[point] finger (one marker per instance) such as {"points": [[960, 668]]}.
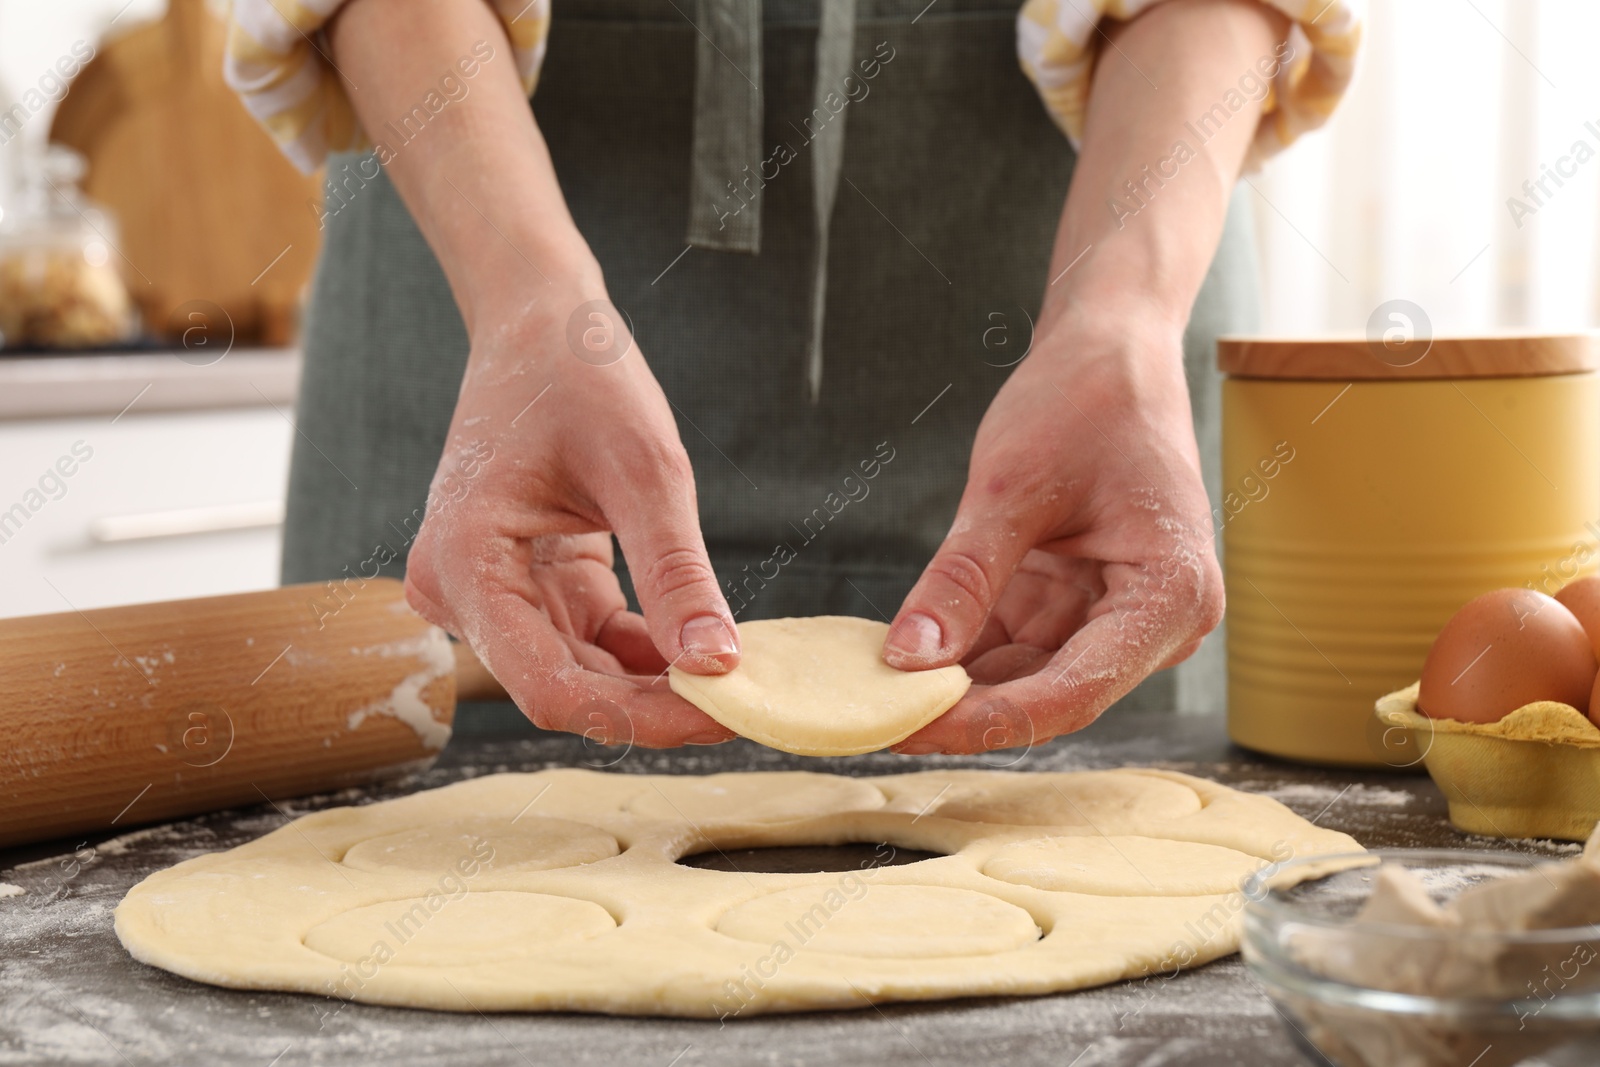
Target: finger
{"points": [[945, 612], [1130, 635], [592, 657], [525, 653], [654, 515], [638, 717], [1006, 663], [626, 637], [1045, 602], [1035, 711], [983, 720], [1179, 656], [1054, 605], [993, 635]]}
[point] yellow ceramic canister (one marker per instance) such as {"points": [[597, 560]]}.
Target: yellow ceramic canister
{"points": [[1368, 493]]}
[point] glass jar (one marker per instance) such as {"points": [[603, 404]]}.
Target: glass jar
{"points": [[60, 286]]}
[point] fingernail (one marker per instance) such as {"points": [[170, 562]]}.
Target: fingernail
{"points": [[707, 738], [917, 748], [916, 635], [707, 636]]}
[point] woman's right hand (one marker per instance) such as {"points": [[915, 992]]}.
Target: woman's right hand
{"points": [[562, 437]]}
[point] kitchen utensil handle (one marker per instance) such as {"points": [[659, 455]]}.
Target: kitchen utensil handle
{"points": [[129, 715]]}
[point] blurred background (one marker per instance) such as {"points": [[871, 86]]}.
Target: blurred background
{"points": [[127, 166], [1404, 193]]}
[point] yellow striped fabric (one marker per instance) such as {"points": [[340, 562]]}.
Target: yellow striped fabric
{"points": [[279, 64], [1059, 42]]}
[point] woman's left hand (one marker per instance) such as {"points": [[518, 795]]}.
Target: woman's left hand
{"points": [[1081, 558]]}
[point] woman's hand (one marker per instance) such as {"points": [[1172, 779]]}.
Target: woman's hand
{"points": [[1081, 557], [562, 437]]}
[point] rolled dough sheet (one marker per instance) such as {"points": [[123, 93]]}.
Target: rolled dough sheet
{"points": [[559, 891], [819, 687]]}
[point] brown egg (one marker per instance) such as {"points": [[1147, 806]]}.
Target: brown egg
{"points": [[1582, 598], [1505, 649]]}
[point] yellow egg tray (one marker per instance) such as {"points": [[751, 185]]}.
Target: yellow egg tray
{"points": [[1535, 773]]}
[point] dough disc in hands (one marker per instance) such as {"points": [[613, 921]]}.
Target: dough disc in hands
{"points": [[819, 687]]}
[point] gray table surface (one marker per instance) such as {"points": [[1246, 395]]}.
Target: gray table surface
{"points": [[70, 994]]}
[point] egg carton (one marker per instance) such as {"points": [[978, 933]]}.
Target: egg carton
{"points": [[1535, 773]]}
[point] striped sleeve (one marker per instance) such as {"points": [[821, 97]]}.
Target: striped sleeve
{"points": [[1058, 42], [277, 60]]}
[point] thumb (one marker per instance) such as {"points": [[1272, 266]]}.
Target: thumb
{"points": [[945, 611], [658, 527]]}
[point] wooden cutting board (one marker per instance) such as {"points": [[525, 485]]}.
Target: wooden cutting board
{"points": [[209, 209]]}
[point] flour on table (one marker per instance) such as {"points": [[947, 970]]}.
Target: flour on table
{"points": [[1358, 794]]}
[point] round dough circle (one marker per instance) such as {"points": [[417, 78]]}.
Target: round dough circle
{"points": [[532, 844], [472, 928], [1099, 800], [784, 795], [851, 918], [819, 687], [1122, 866]]}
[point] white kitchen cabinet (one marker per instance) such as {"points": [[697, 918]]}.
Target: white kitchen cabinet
{"points": [[113, 531]]}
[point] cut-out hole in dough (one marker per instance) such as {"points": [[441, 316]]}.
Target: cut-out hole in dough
{"points": [[1107, 802], [531, 843], [850, 917], [806, 859], [748, 798], [468, 929], [1122, 866]]}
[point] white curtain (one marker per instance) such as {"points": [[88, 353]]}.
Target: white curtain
{"points": [[1404, 194]]}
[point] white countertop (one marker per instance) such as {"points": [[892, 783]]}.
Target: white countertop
{"points": [[35, 387]]}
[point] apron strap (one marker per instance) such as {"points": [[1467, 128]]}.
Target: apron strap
{"points": [[725, 193], [724, 190], [835, 49]]}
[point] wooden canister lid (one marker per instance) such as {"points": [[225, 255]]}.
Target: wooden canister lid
{"points": [[1358, 359]]}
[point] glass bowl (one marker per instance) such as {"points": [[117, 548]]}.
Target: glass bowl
{"points": [[1380, 994]]}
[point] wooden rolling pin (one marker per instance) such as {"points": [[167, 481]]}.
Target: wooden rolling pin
{"points": [[121, 716]]}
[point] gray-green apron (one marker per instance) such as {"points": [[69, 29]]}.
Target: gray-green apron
{"points": [[952, 183]]}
